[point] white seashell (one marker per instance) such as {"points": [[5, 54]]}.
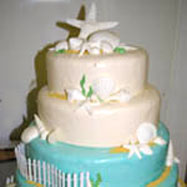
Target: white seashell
{"points": [[61, 45], [52, 137], [146, 132], [94, 50], [75, 95], [122, 96], [29, 134], [105, 36], [170, 155], [41, 127], [103, 87], [76, 43], [159, 141], [106, 47]]}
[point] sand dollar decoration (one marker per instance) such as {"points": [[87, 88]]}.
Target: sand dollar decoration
{"points": [[146, 132], [103, 87]]}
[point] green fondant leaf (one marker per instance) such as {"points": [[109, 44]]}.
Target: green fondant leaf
{"points": [[61, 51], [90, 92], [120, 50], [99, 179], [82, 83], [97, 182]]}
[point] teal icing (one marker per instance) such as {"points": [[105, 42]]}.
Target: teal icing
{"points": [[115, 169], [170, 181]]}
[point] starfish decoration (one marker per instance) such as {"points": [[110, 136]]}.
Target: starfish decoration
{"points": [[135, 148], [90, 25]]}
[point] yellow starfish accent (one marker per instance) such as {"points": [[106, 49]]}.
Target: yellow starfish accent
{"points": [[35, 184], [119, 150], [58, 96], [164, 175]]}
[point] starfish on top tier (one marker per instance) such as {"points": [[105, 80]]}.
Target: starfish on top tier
{"points": [[90, 25]]}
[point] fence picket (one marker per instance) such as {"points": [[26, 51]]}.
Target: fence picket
{"points": [[52, 176], [59, 178], [81, 179], [68, 180], [34, 170], [30, 169], [63, 179], [39, 171], [48, 174], [44, 173], [88, 184], [56, 177]]}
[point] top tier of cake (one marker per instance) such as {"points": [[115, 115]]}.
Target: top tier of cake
{"points": [[128, 71]]}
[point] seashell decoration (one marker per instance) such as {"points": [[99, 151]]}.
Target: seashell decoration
{"points": [[61, 45], [103, 87], [53, 137], [105, 37], [74, 94], [94, 50], [170, 155], [29, 134], [146, 132], [76, 43], [106, 47], [41, 128]]}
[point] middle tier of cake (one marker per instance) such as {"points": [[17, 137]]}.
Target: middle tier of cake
{"points": [[105, 124]]}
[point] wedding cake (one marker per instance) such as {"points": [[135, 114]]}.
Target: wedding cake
{"points": [[98, 117]]}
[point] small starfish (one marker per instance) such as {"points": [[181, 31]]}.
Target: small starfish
{"points": [[133, 149], [90, 25]]}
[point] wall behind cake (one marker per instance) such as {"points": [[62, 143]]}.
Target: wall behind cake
{"points": [[28, 26]]}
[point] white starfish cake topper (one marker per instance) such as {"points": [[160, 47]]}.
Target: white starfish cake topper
{"points": [[90, 25]]}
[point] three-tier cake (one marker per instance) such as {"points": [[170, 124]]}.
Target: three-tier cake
{"points": [[98, 117]]}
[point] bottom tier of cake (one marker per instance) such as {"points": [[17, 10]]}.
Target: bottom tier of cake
{"points": [[64, 165]]}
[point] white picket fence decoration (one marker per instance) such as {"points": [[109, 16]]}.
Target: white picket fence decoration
{"points": [[46, 174], [10, 180]]}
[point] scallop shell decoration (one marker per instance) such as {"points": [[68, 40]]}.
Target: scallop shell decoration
{"points": [[146, 132], [105, 37], [103, 87], [29, 134]]}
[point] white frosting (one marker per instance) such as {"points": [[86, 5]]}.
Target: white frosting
{"points": [[102, 125], [127, 71]]}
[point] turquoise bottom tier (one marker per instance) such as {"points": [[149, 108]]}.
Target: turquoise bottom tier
{"points": [[106, 168]]}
